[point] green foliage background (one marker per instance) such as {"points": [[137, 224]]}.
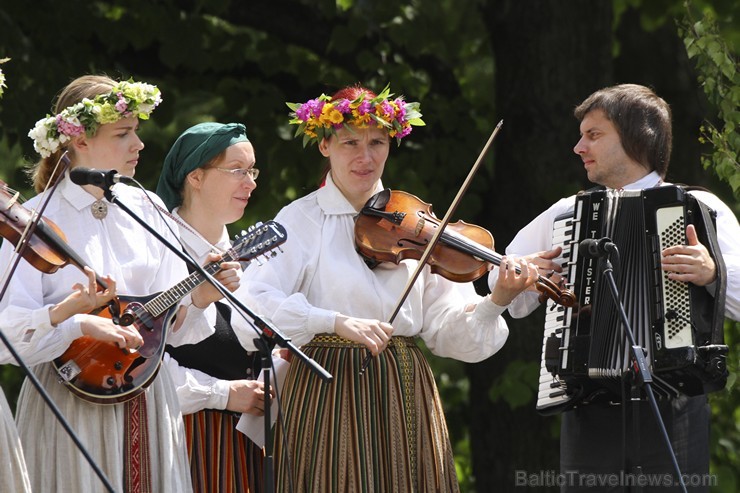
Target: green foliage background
{"points": [[227, 60]]}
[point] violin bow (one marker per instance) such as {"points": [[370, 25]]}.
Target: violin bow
{"points": [[433, 242]]}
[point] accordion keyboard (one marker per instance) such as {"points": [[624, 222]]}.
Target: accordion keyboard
{"points": [[551, 391]]}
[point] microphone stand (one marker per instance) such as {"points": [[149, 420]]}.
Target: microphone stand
{"points": [[265, 351], [269, 335], [23, 245], [641, 376]]}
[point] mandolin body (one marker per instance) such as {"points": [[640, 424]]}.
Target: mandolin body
{"points": [[101, 372]]}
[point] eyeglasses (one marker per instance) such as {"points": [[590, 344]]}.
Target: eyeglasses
{"points": [[241, 173]]}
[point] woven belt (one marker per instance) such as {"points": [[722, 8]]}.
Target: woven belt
{"points": [[332, 340]]}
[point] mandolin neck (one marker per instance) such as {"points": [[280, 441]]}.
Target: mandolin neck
{"points": [[166, 299]]}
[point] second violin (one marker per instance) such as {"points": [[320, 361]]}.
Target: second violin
{"points": [[395, 225]]}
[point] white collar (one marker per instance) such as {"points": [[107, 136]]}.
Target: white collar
{"points": [[333, 202], [196, 242], [77, 196], [650, 180]]}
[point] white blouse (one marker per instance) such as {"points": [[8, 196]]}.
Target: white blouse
{"points": [[197, 390], [116, 245], [319, 274]]}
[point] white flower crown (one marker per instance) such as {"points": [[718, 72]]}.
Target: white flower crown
{"points": [[126, 98]]}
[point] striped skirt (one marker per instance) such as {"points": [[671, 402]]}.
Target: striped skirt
{"points": [[383, 431], [222, 459]]}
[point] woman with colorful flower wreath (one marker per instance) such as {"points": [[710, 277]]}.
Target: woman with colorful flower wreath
{"points": [[13, 470], [138, 444], [383, 430]]}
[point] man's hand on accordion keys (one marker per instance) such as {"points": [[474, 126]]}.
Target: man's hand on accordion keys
{"points": [[691, 262], [547, 266]]}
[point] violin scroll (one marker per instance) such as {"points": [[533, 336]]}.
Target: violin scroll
{"points": [[549, 289]]}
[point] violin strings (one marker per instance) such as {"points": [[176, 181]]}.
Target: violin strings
{"points": [[465, 244], [11, 191]]}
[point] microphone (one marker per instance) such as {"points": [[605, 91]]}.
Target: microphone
{"points": [[593, 248], [99, 178]]}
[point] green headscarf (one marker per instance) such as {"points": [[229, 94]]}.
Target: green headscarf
{"points": [[192, 150]]}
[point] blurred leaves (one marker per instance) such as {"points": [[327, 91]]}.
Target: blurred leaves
{"points": [[719, 76], [518, 384]]}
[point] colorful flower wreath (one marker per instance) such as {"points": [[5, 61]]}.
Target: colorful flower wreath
{"points": [[126, 98], [321, 117]]}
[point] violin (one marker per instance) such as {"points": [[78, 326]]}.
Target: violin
{"points": [[41, 245], [395, 225], [46, 247]]}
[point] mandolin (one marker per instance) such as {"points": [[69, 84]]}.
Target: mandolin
{"points": [[102, 373]]}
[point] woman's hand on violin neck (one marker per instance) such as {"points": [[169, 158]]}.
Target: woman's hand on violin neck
{"points": [[83, 299], [103, 329], [510, 283], [374, 334]]}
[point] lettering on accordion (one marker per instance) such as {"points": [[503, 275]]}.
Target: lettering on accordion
{"points": [[585, 353]]}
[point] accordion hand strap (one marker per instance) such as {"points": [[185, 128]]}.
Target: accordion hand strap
{"points": [[720, 283]]}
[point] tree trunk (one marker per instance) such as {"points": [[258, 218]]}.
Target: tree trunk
{"points": [[549, 56]]}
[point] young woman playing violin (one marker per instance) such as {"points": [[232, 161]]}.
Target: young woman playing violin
{"points": [[139, 443], [384, 429]]}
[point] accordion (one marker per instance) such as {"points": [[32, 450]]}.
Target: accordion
{"points": [[586, 354]]}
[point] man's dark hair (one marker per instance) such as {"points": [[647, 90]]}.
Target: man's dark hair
{"points": [[642, 120]]}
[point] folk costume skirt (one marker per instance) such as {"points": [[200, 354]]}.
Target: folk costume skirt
{"points": [[55, 463], [383, 431], [222, 459], [13, 472]]}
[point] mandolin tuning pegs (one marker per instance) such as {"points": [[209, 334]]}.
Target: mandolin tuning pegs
{"points": [[253, 227]]}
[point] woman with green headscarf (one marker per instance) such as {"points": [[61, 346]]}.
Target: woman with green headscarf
{"points": [[207, 180]]}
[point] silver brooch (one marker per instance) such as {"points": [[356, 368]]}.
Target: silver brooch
{"points": [[99, 209]]}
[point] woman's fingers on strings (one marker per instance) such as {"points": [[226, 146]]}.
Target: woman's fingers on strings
{"points": [[110, 291], [131, 336]]}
